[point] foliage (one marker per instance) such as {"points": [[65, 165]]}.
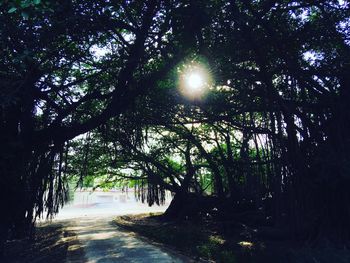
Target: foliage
{"points": [[271, 134]]}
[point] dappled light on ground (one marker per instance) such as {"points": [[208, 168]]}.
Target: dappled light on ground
{"points": [[103, 241]]}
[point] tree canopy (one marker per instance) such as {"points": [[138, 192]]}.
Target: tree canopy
{"points": [[270, 133]]}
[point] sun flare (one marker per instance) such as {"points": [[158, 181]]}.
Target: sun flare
{"points": [[194, 81]]}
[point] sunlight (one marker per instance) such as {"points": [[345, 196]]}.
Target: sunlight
{"points": [[246, 244], [194, 80]]}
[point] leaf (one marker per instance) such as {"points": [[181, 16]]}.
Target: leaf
{"points": [[25, 4], [12, 9], [25, 15], [36, 2]]}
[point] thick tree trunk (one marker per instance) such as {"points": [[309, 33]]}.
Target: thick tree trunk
{"points": [[189, 205], [180, 206], [332, 197], [16, 186]]}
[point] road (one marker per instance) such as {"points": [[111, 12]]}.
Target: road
{"points": [[104, 242], [90, 217], [104, 204]]}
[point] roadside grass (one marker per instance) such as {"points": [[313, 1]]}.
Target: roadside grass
{"points": [[187, 237], [51, 244], [45, 247], [215, 242]]}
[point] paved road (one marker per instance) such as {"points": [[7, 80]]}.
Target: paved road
{"points": [[104, 204], [103, 242]]}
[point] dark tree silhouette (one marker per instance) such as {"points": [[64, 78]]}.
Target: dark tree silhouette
{"points": [[271, 135]]}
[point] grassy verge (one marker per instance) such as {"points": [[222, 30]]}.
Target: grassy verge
{"points": [[192, 239], [227, 242], [50, 244]]}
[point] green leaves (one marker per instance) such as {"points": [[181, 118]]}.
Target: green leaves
{"points": [[23, 7], [12, 10]]}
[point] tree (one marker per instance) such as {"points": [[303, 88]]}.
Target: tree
{"points": [[281, 67], [57, 83], [273, 127]]}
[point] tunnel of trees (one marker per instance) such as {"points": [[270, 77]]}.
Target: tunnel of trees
{"points": [[92, 89]]}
